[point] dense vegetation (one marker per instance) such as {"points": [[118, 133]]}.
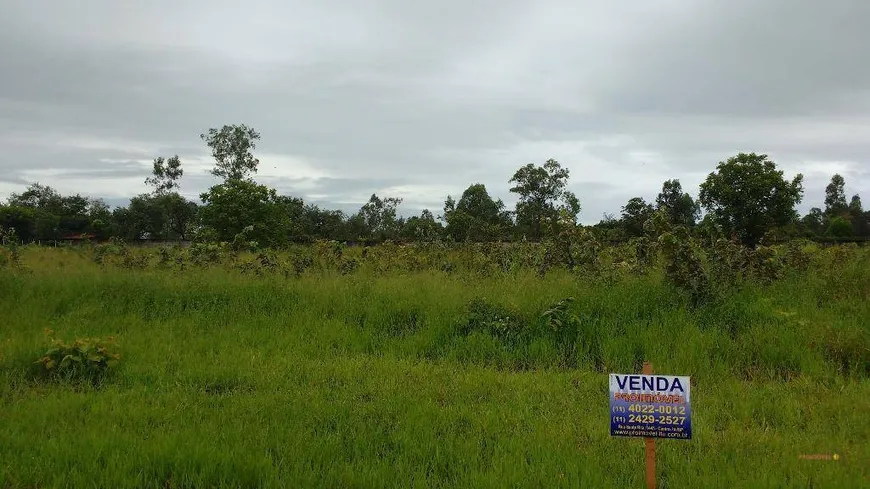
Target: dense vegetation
{"points": [[470, 351], [746, 197], [429, 365]]}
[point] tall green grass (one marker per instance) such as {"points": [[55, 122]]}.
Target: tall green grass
{"points": [[386, 380]]}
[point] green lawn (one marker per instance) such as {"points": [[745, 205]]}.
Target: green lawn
{"points": [[375, 380]]}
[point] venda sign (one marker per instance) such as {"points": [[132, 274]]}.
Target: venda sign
{"points": [[651, 406]]}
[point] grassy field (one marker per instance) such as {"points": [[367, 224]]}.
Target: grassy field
{"points": [[401, 380]]}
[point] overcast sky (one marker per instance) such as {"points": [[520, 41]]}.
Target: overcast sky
{"points": [[418, 99]]}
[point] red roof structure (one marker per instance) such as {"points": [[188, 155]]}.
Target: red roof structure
{"points": [[80, 236]]}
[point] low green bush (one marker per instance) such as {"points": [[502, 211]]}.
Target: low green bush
{"points": [[85, 359]]}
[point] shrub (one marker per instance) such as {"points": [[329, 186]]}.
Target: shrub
{"points": [[165, 257], [130, 259], [564, 325], [99, 253], [242, 242], [766, 264], [328, 254], [10, 256], [644, 253], [728, 262], [839, 228], [265, 261], [683, 265], [85, 359], [268, 260], [301, 263], [207, 253], [123, 256], [349, 265], [497, 320], [797, 255]]}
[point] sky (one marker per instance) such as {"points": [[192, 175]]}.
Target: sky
{"points": [[419, 100]]}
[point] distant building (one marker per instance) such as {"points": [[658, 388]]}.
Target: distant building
{"points": [[79, 238]]}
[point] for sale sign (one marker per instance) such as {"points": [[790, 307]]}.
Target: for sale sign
{"points": [[651, 406]]}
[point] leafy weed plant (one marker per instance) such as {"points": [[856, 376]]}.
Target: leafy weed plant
{"points": [[85, 359]]}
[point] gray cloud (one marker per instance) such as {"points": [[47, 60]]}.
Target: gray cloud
{"points": [[420, 100]]}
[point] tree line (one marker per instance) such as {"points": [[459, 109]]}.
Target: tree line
{"points": [[745, 198]]}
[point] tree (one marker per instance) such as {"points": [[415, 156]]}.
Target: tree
{"points": [[476, 217], [231, 147], [163, 217], [21, 219], [449, 206], [539, 188], [50, 208], [165, 174], [236, 204], [679, 206], [422, 228], [324, 224], [747, 196], [635, 213], [835, 197], [814, 221], [294, 207], [178, 214], [855, 206], [355, 227], [74, 217], [99, 217], [144, 218], [860, 219], [59, 215], [839, 228], [379, 216], [609, 228], [570, 206], [239, 203], [40, 197]]}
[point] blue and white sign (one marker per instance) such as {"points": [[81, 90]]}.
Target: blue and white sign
{"points": [[651, 406]]}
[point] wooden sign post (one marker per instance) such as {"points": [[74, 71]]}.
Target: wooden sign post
{"points": [[650, 406], [649, 445]]}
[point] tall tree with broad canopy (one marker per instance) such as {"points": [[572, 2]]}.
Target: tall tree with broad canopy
{"points": [[232, 146], [239, 203], [236, 204], [477, 216], [679, 206], [747, 196], [540, 189]]}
